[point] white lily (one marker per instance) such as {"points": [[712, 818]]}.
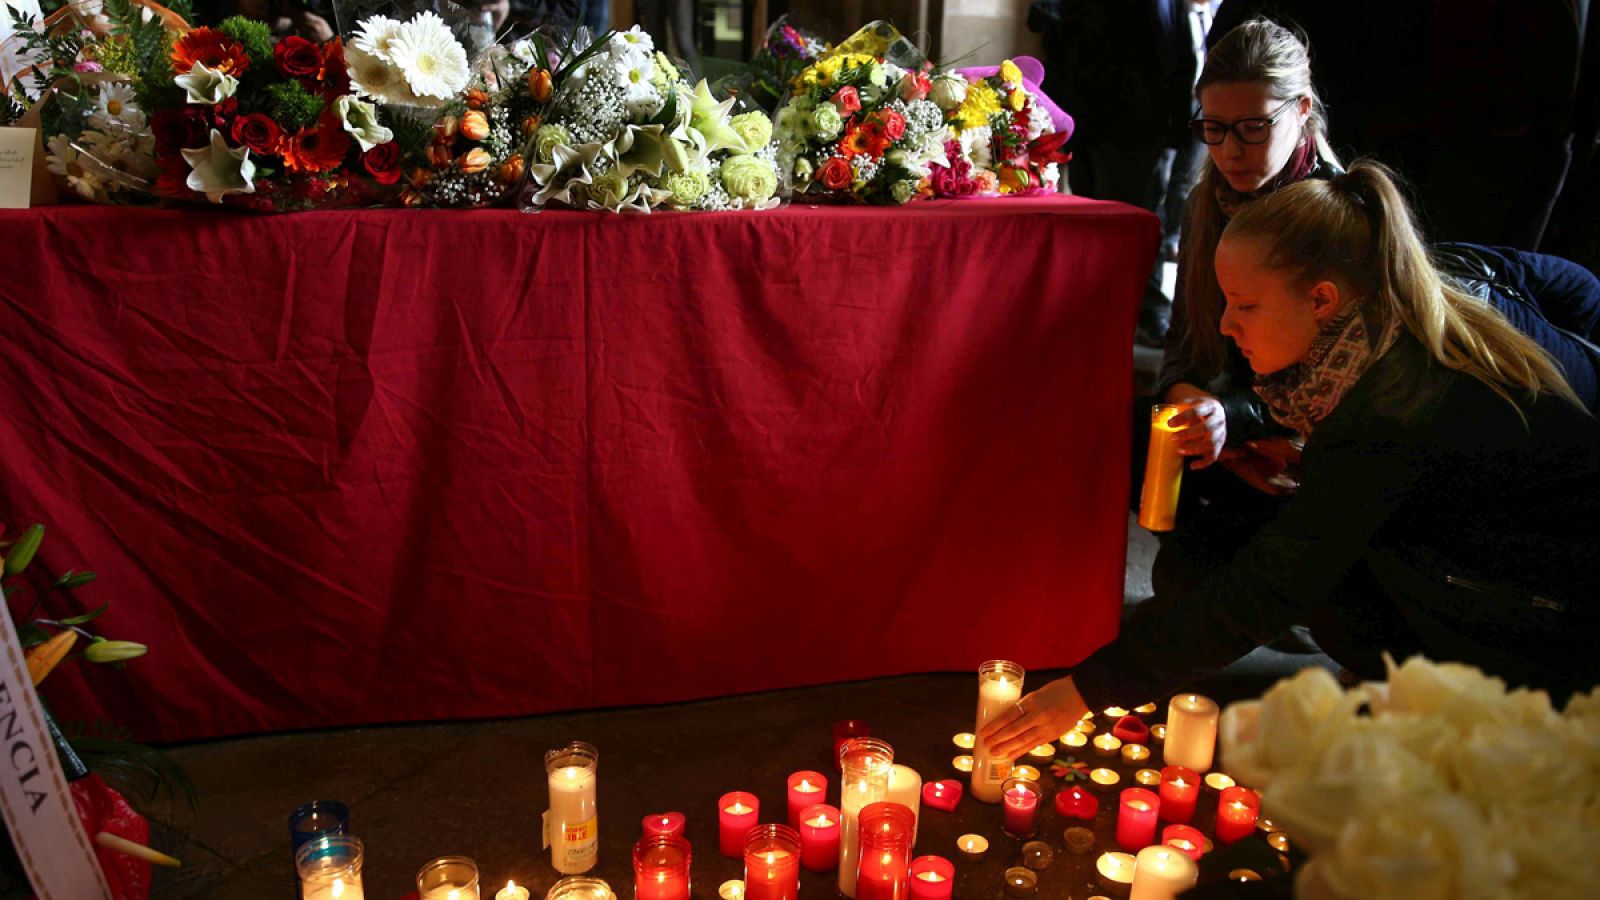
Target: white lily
{"points": [[207, 86], [360, 118], [218, 169]]}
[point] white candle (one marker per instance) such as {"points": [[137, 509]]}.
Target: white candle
{"points": [[512, 891], [1074, 739], [999, 689], [574, 820], [731, 890], [1162, 873], [336, 888], [905, 788], [1191, 732]]}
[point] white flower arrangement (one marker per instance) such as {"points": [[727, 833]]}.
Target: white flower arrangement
{"points": [[413, 63], [1451, 787]]}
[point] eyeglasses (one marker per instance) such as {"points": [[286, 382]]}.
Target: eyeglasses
{"points": [[1254, 130]]}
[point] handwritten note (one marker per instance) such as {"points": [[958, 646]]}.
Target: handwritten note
{"points": [[16, 166]]}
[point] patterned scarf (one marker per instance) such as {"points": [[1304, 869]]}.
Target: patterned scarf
{"points": [[1305, 393], [1297, 169]]}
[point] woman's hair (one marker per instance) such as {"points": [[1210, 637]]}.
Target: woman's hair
{"points": [[1356, 230], [1263, 52]]}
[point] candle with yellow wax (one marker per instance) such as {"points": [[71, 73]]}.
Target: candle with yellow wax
{"points": [[1163, 472]]}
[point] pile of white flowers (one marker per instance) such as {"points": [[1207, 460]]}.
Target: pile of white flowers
{"points": [[1452, 786], [115, 151], [413, 63]]}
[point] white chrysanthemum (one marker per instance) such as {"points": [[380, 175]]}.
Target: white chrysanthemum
{"points": [[976, 146], [432, 61], [633, 42], [377, 79], [375, 36], [63, 159], [639, 93], [1038, 118]]}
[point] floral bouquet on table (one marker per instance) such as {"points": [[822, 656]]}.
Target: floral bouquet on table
{"points": [[859, 124], [784, 54], [1005, 134], [627, 132], [1450, 787]]}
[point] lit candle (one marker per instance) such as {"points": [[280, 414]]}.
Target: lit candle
{"points": [[1146, 709], [962, 763], [668, 824], [905, 788], [1278, 841], [1243, 875], [1076, 803], [1021, 807], [661, 868], [944, 795], [731, 890], [1043, 753], [965, 740], [329, 867], [847, 729], [1185, 838], [806, 788], [1107, 745], [999, 690], [1073, 740], [972, 847], [448, 878], [1158, 735], [1266, 825], [574, 823], [1237, 809], [1136, 819], [512, 891], [1115, 871], [1191, 732], [1147, 778], [1131, 730], [737, 813], [1037, 855], [1084, 726], [1021, 882], [1163, 472], [885, 872], [1134, 754], [580, 887], [819, 838], [932, 878], [1216, 782], [335, 888], [1025, 773], [865, 782], [1162, 873], [1115, 712], [772, 863], [1104, 780], [1180, 791]]}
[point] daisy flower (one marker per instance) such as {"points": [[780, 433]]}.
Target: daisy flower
{"points": [[375, 35], [376, 78], [63, 159], [433, 62]]}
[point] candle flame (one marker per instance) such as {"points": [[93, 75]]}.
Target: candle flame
{"points": [[819, 821], [930, 876], [1179, 782], [738, 808], [771, 857], [1240, 806], [338, 888], [454, 895], [1138, 806], [805, 786], [1181, 844]]}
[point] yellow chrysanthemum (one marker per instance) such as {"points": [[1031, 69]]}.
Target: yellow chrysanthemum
{"points": [[1010, 73], [981, 103], [827, 72], [1018, 99]]}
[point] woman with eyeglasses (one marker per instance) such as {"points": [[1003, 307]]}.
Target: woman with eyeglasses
{"points": [[1445, 456]]}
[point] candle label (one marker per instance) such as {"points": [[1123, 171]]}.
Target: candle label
{"points": [[580, 844], [997, 769]]}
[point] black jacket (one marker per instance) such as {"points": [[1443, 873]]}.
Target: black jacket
{"points": [[1480, 528]]}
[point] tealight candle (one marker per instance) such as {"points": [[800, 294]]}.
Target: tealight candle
{"points": [[1025, 773], [1191, 731], [1021, 800], [1043, 753], [1147, 778], [1243, 875], [1037, 855], [1266, 825], [448, 878], [580, 887], [329, 867], [962, 763], [731, 890], [1162, 873], [1185, 838], [1146, 709], [1104, 780], [965, 740], [1180, 791], [999, 691], [1115, 712], [932, 878], [1079, 840], [806, 788], [1084, 726], [661, 868], [737, 813], [1076, 803], [1278, 841], [512, 891], [1115, 872], [1136, 819], [819, 838], [972, 847], [1134, 754], [1216, 781], [905, 788], [668, 824], [1073, 740], [1158, 735], [1021, 882], [1237, 809], [1107, 745]]}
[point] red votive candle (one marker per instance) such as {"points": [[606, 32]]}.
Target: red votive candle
{"points": [[932, 878], [1183, 837], [737, 813], [1021, 806], [772, 863], [1136, 819], [845, 730], [806, 788], [661, 868], [819, 838], [1180, 791], [1131, 730], [1077, 803], [667, 824], [885, 867], [1237, 809]]}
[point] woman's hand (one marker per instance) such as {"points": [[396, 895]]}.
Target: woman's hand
{"points": [[1204, 424], [1039, 718]]}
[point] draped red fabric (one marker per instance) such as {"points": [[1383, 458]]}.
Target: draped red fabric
{"points": [[374, 466]]}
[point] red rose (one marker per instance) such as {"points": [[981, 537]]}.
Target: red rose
{"points": [[335, 76], [847, 100], [836, 174], [298, 57], [383, 163], [183, 128], [894, 125], [258, 132]]}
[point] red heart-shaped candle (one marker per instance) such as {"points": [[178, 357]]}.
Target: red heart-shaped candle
{"points": [[942, 794]]}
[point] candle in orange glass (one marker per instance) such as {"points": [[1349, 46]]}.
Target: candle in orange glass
{"points": [[1237, 809], [1163, 472]]}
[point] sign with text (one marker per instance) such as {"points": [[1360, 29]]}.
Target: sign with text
{"points": [[34, 795], [16, 166]]}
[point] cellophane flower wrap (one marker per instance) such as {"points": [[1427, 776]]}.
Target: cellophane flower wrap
{"points": [[626, 132], [1006, 136], [859, 123], [1440, 783], [785, 52]]}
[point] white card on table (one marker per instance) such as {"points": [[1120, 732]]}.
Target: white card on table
{"points": [[16, 166]]}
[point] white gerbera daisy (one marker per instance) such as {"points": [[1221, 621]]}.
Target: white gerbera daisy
{"points": [[433, 62], [374, 36], [377, 79], [63, 160]]}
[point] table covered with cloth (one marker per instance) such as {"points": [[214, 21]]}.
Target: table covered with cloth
{"points": [[356, 467]]}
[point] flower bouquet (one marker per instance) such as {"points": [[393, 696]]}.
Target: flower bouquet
{"points": [[1006, 135], [627, 132], [785, 52], [1450, 786]]}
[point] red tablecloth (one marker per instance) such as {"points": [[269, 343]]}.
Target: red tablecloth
{"points": [[340, 468]]}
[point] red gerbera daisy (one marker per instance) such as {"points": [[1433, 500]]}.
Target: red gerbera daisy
{"points": [[209, 46], [856, 142]]}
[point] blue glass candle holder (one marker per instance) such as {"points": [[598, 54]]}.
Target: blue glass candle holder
{"points": [[320, 818]]}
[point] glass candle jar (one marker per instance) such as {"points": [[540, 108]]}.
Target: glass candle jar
{"points": [[574, 821], [999, 691], [580, 887], [1021, 798], [864, 780], [448, 878], [661, 867], [330, 868], [885, 866], [772, 863]]}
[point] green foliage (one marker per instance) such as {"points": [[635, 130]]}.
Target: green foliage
{"points": [[292, 105], [150, 45], [413, 135], [134, 769], [255, 37]]}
